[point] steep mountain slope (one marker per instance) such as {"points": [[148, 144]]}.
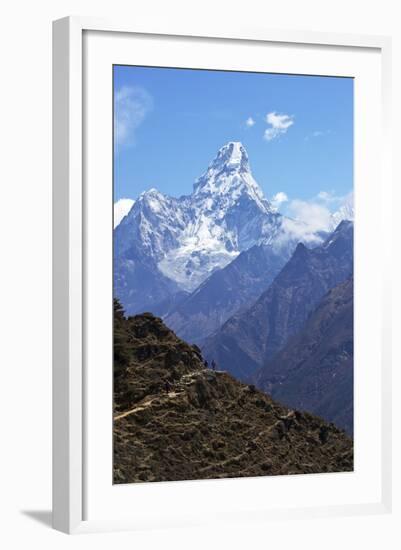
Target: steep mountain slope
{"points": [[176, 420], [169, 304], [225, 292], [314, 371], [186, 239], [250, 338]]}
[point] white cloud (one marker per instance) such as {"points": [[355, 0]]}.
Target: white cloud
{"points": [[295, 230], [330, 198], [278, 125], [325, 195], [305, 219], [315, 217], [131, 105], [250, 122], [278, 199], [121, 209], [317, 134]]}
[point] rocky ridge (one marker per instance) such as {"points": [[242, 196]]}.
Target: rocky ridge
{"points": [[175, 419]]}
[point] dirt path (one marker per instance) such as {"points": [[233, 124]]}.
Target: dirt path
{"points": [[145, 404], [185, 380]]}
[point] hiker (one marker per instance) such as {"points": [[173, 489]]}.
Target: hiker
{"points": [[206, 364], [167, 386], [213, 364]]}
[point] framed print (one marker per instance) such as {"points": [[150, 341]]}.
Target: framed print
{"points": [[220, 327]]}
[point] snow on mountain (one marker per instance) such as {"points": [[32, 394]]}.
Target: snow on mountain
{"points": [[121, 209], [229, 176], [345, 212], [227, 213], [154, 224], [190, 237]]}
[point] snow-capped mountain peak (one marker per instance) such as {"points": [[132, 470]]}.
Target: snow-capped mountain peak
{"points": [[152, 196], [191, 236], [150, 192], [231, 157], [345, 212], [229, 175]]}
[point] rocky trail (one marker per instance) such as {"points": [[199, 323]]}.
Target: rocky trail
{"points": [[185, 380]]}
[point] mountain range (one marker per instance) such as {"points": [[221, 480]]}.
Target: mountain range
{"points": [[226, 292], [314, 370], [251, 337], [261, 294], [167, 246]]}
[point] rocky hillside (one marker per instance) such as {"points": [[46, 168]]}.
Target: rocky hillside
{"points": [[314, 371], [174, 419]]}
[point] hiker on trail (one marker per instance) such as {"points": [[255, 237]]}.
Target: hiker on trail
{"points": [[206, 364], [167, 386], [214, 364]]}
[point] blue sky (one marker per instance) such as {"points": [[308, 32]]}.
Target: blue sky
{"points": [[169, 124]]}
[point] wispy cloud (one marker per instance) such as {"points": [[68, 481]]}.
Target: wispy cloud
{"points": [[121, 209], [131, 105], [317, 134], [330, 198], [316, 217], [278, 125], [278, 199], [326, 196], [306, 218], [250, 122], [296, 230], [303, 222]]}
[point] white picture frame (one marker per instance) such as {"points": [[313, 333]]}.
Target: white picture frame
{"points": [[70, 251]]}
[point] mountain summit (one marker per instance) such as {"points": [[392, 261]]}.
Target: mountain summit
{"points": [[230, 158], [186, 239], [230, 174], [171, 245]]}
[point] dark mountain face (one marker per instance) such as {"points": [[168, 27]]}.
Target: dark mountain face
{"points": [[169, 304], [225, 292], [174, 419], [314, 371], [252, 337]]}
